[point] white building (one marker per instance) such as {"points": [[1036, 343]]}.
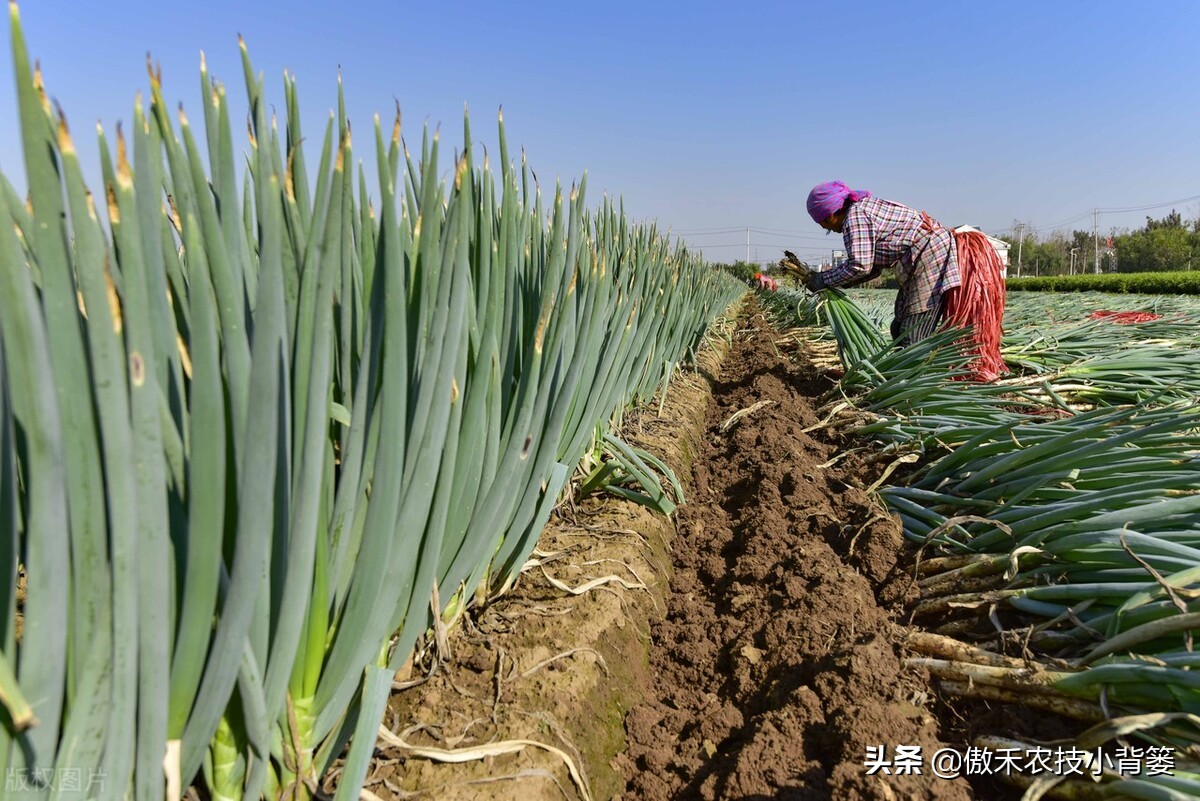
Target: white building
{"points": [[999, 244]]}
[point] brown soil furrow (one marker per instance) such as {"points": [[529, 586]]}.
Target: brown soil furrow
{"points": [[778, 662]]}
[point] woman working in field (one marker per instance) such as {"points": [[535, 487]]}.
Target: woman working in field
{"points": [[942, 275]]}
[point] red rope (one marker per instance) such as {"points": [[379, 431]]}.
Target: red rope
{"points": [[1124, 317], [978, 303]]}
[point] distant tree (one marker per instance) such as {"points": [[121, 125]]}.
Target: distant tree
{"points": [[1172, 220], [742, 270], [1166, 244], [1045, 258]]}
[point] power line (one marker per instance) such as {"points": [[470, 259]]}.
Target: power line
{"points": [[1152, 206], [809, 237], [805, 235], [1076, 218], [759, 231], [781, 231], [732, 230], [707, 230], [1107, 210], [742, 244]]}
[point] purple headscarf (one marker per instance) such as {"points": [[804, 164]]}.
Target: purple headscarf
{"points": [[829, 197]]}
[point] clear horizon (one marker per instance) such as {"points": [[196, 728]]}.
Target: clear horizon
{"points": [[706, 118]]}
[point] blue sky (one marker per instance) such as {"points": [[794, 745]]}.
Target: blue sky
{"points": [[707, 117]]}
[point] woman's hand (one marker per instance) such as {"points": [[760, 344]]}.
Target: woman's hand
{"points": [[794, 267], [801, 272]]}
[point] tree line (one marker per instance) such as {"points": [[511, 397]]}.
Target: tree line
{"points": [[1170, 243]]}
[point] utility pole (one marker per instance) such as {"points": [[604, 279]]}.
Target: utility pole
{"points": [[1096, 234], [1020, 229], [747, 244]]}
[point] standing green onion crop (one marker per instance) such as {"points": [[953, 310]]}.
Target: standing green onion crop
{"points": [[256, 412]]}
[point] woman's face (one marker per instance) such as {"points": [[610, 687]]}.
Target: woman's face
{"points": [[834, 222]]}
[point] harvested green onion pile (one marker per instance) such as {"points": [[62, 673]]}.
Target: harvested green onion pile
{"points": [[1058, 514]]}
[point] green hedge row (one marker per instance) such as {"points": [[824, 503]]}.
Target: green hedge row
{"points": [[1166, 283]]}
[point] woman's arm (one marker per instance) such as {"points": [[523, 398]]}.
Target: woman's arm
{"points": [[875, 273], [859, 265]]}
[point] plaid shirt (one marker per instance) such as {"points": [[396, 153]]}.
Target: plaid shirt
{"points": [[879, 233]]}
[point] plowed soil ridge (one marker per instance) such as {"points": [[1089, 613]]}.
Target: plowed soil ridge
{"points": [[541, 663], [779, 659]]}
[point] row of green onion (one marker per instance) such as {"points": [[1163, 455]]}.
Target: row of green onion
{"points": [[257, 416]]}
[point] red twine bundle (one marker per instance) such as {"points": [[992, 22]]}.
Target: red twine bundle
{"points": [[1125, 317], [978, 303]]}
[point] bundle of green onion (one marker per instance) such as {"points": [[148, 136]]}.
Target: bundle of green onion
{"points": [[858, 336]]}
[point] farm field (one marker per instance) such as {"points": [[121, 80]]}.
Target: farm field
{"points": [[769, 657], [798, 631], [433, 481]]}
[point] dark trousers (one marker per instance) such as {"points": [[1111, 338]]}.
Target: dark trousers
{"points": [[912, 328]]}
